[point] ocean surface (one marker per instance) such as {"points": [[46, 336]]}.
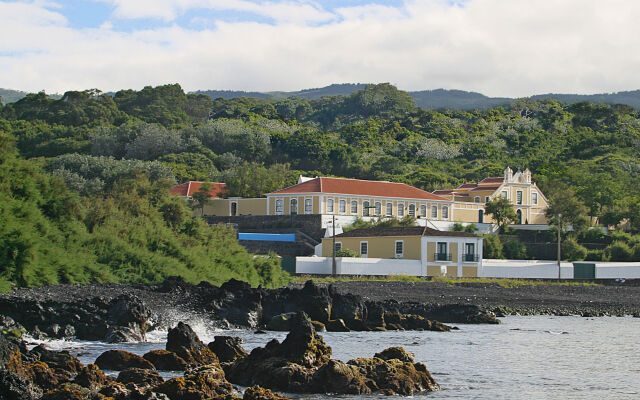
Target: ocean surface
{"points": [[533, 357]]}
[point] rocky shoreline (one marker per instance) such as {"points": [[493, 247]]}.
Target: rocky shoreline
{"points": [[121, 313], [300, 364], [604, 299]]}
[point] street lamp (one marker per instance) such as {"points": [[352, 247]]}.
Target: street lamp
{"points": [[334, 268], [559, 246]]}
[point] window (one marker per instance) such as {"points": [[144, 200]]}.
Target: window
{"points": [[342, 206], [504, 194], [365, 208], [441, 254], [330, 205], [294, 206], [487, 199], [445, 212], [481, 216], [308, 206], [378, 208], [423, 211], [470, 252], [279, 206], [399, 248], [338, 246], [434, 212], [412, 210], [519, 197], [389, 209], [364, 249], [400, 210], [234, 208], [476, 199], [534, 198]]}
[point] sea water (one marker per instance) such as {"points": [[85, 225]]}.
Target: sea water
{"points": [[534, 357]]}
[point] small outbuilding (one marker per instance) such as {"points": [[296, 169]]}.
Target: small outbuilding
{"points": [[439, 253]]}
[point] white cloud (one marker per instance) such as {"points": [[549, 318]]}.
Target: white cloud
{"points": [[512, 48], [169, 10]]}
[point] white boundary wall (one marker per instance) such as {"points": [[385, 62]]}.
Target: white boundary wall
{"points": [[617, 270], [358, 266], [532, 269]]}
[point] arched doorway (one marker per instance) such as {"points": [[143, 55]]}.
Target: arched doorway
{"points": [[519, 217], [481, 216]]}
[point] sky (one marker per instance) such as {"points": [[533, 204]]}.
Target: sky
{"points": [[511, 48]]}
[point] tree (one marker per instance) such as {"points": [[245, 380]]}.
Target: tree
{"points": [[501, 210], [201, 196], [565, 209]]}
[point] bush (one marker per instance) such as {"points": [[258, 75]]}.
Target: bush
{"points": [[619, 251], [492, 247], [573, 251], [514, 249], [594, 235], [347, 253], [458, 227], [595, 255], [471, 228]]}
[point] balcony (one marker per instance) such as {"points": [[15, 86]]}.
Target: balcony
{"points": [[470, 257], [442, 256]]}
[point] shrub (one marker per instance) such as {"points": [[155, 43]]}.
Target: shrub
{"points": [[492, 247], [514, 249], [595, 255], [471, 228], [458, 227], [619, 251], [347, 253], [573, 251]]}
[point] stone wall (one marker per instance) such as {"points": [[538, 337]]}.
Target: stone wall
{"points": [[311, 224]]}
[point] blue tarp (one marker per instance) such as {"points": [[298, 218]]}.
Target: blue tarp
{"points": [[272, 237]]}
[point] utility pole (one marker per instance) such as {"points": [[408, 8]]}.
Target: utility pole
{"points": [[559, 245], [334, 268]]}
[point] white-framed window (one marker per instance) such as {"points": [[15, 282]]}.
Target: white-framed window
{"points": [[412, 210], [423, 210], [364, 249], [442, 252], [445, 212], [519, 197], [279, 206], [534, 198], [365, 208], [400, 209], [476, 199], [308, 206], [342, 206], [293, 206], [434, 212], [378, 208], [487, 199], [338, 246], [330, 206], [504, 194], [354, 206], [389, 209], [399, 247]]}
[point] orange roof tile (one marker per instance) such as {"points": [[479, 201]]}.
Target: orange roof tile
{"points": [[187, 189], [485, 188], [491, 180], [359, 187]]}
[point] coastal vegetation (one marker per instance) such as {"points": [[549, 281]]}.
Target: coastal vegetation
{"points": [[84, 178]]}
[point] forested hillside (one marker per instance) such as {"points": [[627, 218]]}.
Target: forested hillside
{"points": [[117, 155]]}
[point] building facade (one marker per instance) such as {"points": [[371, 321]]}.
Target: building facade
{"points": [[439, 252]]}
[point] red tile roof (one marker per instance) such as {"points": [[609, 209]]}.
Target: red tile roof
{"points": [[485, 188], [359, 187], [491, 180], [187, 189], [467, 186], [443, 191]]}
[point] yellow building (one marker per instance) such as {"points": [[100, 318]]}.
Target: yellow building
{"points": [[525, 196], [438, 252], [358, 198]]}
